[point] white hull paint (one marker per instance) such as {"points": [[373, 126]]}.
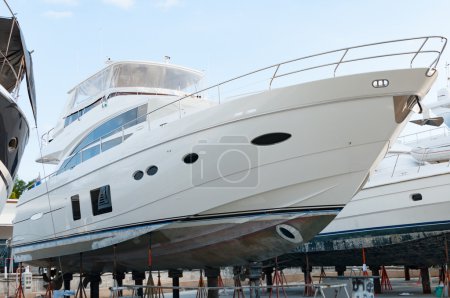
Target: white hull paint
{"points": [[340, 127]]}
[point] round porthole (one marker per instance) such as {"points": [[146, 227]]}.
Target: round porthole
{"points": [[289, 233], [152, 170], [271, 138], [13, 143], [190, 158], [138, 175]]}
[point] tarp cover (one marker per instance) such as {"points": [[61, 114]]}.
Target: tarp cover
{"points": [[13, 52]]}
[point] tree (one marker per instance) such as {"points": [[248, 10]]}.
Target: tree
{"points": [[19, 187]]}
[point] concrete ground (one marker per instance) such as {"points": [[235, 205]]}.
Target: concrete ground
{"points": [[400, 287]]}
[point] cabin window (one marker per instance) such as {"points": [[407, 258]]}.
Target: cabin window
{"points": [[76, 211], [101, 200], [104, 137], [75, 116], [113, 126]]}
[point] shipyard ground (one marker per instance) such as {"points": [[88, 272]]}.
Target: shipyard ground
{"points": [[412, 288]]}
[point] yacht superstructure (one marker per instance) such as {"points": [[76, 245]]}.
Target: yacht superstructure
{"points": [[15, 64], [145, 161]]}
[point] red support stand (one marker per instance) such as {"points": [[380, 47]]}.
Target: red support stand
{"points": [[19, 290], [322, 274], [159, 290], [309, 288], [220, 283], [238, 292], [385, 282], [201, 291], [365, 273], [278, 281]]}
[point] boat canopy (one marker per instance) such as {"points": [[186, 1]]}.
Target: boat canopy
{"points": [[133, 74], [15, 60]]}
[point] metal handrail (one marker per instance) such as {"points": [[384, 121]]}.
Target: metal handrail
{"points": [[426, 39], [431, 67]]}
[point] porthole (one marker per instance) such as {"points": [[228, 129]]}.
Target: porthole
{"points": [[271, 138], [152, 170], [13, 143], [138, 175], [416, 197], [190, 158], [289, 233]]}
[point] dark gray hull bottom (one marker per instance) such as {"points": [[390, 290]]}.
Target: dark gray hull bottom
{"points": [[196, 244], [415, 246]]}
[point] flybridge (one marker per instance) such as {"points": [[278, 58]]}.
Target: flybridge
{"points": [[134, 75]]}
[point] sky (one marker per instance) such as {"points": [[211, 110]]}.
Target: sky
{"points": [[72, 39]]}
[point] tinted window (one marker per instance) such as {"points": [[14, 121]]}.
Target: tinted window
{"points": [[130, 118], [76, 211], [70, 162], [107, 129], [111, 143], [90, 152], [101, 200], [71, 118]]}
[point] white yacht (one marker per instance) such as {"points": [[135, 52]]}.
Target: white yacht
{"points": [[145, 161], [15, 64]]}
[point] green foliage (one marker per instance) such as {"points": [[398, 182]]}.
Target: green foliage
{"points": [[19, 187]]}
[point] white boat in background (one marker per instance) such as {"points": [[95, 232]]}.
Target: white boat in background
{"points": [[402, 211], [145, 161]]}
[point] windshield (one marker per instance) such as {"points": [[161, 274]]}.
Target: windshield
{"points": [[134, 74]]}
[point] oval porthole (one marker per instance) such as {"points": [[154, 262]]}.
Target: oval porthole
{"points": [[152, 170], [138, 175], [13, 143], [416, 197], [190, 158], [271, 138], [289, 233]]}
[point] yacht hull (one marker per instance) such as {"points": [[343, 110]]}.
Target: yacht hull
{"points": [[190, 244], [13, 139], [339, 128]]}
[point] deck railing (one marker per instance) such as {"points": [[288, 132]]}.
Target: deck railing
{"points": [[421, 46]]}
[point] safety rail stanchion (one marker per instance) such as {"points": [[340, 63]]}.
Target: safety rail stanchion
{"points": [[385, 282]]}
